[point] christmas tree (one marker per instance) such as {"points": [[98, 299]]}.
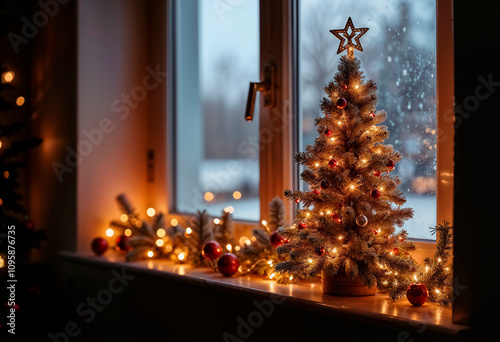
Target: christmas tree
{"points": [[347, 224]]}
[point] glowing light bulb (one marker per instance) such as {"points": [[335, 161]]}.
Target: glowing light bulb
{"points": [[229, 247], [110, 232], [20, 101], [161, 232], [150, 254], [229, 209], [316, 164], [8, 76], [127, 232], [216, 221], [181, 256], [189, 230], [208, 196], [174, 222], [310, 260], [272, 275], [151, 212], [124, 217], [236, 195], [160, 242]]}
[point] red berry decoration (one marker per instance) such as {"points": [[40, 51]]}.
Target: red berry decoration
{"points": [[123, 243], [316, 191], [324, 184], [336, 217], [297, 200], [332, 163], [228, 264], [341, 103], [99, 246], [417, 294], [372, 114], [375, 194], [328, 132], [276, 240], [390, 164], [344, 86], [320, 251], [211, 250], [395, 251], [302, 225]]}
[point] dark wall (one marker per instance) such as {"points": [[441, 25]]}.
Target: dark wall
{"points": [[477, 103]]}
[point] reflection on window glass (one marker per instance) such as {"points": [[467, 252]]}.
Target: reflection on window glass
{"points": [[217, 51], [400, 56]]}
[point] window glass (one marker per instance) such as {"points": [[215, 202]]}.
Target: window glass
{"points": [[217, 55], [400, 56]]}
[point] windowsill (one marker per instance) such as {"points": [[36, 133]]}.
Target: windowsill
{"points": [[304, 294]]}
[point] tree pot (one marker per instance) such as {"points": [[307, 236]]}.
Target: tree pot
{"points": [[343, 285]]}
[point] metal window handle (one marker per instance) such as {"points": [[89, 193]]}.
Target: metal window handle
{"points": [[267, 87]]}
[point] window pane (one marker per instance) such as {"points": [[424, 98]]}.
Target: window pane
{"points": [[217, 55], [400, 56]]}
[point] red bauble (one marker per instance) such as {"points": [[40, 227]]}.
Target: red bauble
{"points": [[344, 86], [336, 217], [375, 194], [123, 243], [228, 264], [29, 225], [417, 294], [341, 103], [372, 114], [395, 251], [320, 251], [332, 163], [276, 240], [297, 200], [328, 132], [99, 246], [324, 184], [390, 164], [376, 173], [211, 250], [302, 225], [316, 192]]}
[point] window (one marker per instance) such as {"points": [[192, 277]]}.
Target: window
{"points": [[400, 56], [221, 45], [217, 54]]}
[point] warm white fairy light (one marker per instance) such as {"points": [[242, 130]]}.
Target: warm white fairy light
{"points": [[332, 139], [150, 254], [174, 222], [124, 217], [110, 232], [161, 232], [340, 237], [189, 230], [127, 232], [151, 212], [160, 242], [216, 221], [316, 164], [181, 256], [229, 247], [310, 260], [272, 275]]}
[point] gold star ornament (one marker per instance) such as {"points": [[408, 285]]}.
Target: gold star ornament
{"points": [[349, 33]]}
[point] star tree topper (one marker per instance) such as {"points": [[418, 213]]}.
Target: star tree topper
{"points": [[355, 34]]}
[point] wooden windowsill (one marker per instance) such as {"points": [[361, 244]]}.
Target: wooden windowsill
{"points": [[306, 294]]}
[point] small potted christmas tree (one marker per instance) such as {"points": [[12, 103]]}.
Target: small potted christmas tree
{"points": [[345, 230]]}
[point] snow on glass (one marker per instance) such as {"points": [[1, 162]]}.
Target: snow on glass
{"points": [[400, 56]]}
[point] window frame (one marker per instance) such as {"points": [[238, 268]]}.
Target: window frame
{"points": [[279, 23]]}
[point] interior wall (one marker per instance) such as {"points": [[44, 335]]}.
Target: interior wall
{"points": [[52, 104], [114, 84]]}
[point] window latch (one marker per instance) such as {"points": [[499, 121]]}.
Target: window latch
{"points": [[267, 87]]}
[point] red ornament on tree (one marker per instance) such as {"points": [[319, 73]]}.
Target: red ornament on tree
{"points": [[328, 132], [316, 192], [276, 240], [123, 243], [390, 164], [344, 86], [332, 163], [372, 114], [297, 200], [302, 225], [395, 251], [99, 246], [336, 217], [320, 251], [211, 250], [376, 173], [375, 194], [228, 264], [341, 103], [417, 294]]}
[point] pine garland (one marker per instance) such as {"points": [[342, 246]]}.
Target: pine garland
{"points": [[202, 231]]}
